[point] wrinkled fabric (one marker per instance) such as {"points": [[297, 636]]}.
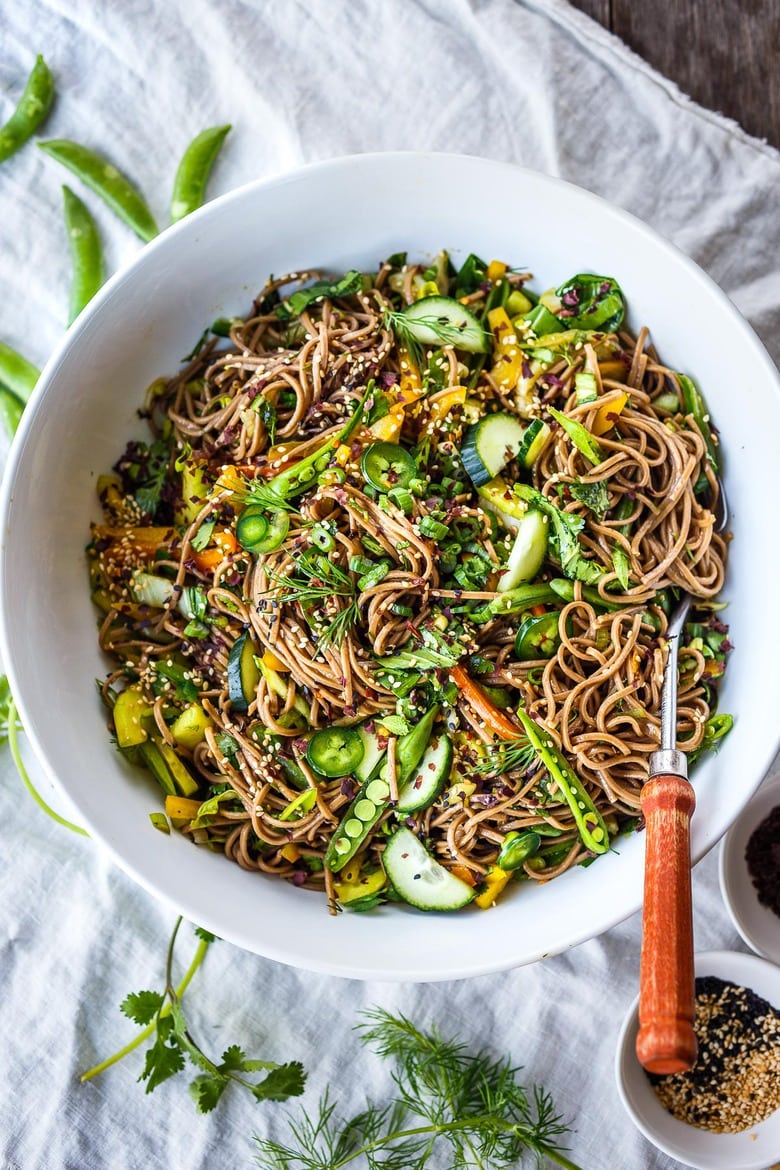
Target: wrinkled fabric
{"points": [[535, 83]]}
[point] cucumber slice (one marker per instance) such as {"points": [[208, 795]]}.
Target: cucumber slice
{"points": [[490, 444], [498, 497], [372, 754], [418, 878], [536, 435], [528, 552], [243, 675], [428, 778], [443, 321]]}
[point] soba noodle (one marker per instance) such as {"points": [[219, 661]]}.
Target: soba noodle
{"points": [[295, 379]]}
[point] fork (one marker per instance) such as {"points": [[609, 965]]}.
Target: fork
{"points": [[666, 1042]]}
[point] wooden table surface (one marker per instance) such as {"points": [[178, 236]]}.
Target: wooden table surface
{"points": [[723, 53]]}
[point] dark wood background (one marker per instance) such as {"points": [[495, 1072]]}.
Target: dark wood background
{"points": [[723, 53]]}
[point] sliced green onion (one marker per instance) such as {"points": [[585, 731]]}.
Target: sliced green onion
{"points": [[433, 528]]}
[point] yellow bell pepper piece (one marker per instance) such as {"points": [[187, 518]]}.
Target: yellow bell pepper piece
{"points": [[190, 728], [442, 406], [426, 288], [359, 887], [290, 852], [342, 455], [616, 371], [230, 480], [194, 491], [496, 270], [607, 415], [388, 429], [273, 663], [410, 386], [507, 355], [495, 881], [182, 808]]}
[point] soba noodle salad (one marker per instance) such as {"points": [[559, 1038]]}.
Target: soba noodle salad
{"points": [[385, 588]]}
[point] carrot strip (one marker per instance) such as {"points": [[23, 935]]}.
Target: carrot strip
{"points": [[495, 720]]}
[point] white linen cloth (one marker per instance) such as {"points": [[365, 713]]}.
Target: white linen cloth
{"points": [[533, 82]]}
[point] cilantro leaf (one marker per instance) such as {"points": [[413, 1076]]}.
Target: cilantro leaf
{"points": [[351, 282], [233, 1058], [228, 746], [163, 1060], [152, 472], [379, 408], [202, 537], [141, 1006], [285, 1081], [267, 412], [206, 1091], [592, 495], [564, 527], [210, 808], [205, 935], [395, 724]]}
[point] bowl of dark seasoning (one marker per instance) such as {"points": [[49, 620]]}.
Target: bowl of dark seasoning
{"points": [[724, 1114], [750, 871]]}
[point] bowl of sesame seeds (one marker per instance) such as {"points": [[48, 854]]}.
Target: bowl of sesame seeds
{"points": [[724, 1114]]}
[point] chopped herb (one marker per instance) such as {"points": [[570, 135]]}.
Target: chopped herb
{"points": [[592, 495], [564, 527], [202, 537], [345, 286], [267, 412], [161, 1016]]}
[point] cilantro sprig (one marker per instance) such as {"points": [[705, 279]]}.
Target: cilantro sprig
{"points": [[162, 1018]]}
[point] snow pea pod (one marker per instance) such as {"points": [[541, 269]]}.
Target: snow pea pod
{"points": [[189, 186], [10, 411], [694, 404], [86, 253], [34, 105], [590, 823], [621, 561], [102, 177], [16, 373]]}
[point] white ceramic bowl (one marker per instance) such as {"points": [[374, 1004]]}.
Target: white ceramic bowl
{"points": [[337, 214], [753, 1149], [758, 925]]}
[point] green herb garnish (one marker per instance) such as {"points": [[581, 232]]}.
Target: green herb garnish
{"points": [[592, 495], [470, 1105], [564, 527], [161, 1015], [348, 284], [313, 583]]}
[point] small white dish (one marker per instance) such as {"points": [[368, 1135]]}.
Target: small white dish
{"points": [[758, 925], [755, 1148]]}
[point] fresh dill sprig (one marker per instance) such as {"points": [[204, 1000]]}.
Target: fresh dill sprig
{"points": [[516, 755], [445, 332], [315, 584], [446, 1096], [163, 1021], [260, 494]]}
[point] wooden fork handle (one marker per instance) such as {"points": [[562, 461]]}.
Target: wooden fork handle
{"points": [[667, 1042]]}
